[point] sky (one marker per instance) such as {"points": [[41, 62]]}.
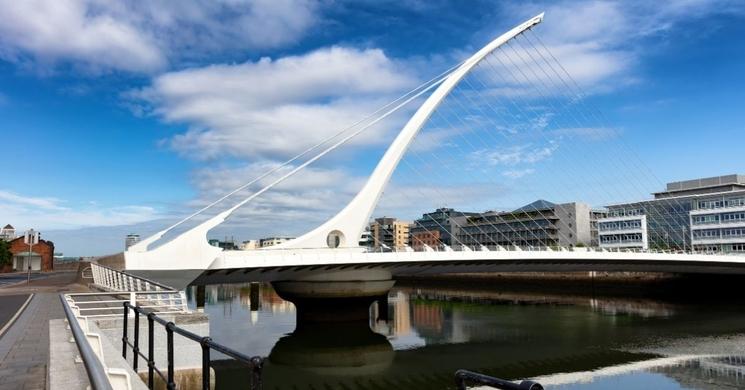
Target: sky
{"points": [[121, 117]]}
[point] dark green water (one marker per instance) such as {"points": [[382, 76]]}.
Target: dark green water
{"points": [[567, 342]]}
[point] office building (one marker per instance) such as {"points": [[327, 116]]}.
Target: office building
{"points": [[272, 241], [389, 234], [438, 228], [539, 224], [705, 214]]}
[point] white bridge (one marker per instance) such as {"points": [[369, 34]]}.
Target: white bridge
{"points": [[330, 253]]}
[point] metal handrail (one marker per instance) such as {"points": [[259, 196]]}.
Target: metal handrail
{"points": [[464, 376], [96, 371], [255, 363]]}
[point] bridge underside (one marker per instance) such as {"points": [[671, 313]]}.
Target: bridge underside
{"points": [[290, 273]]}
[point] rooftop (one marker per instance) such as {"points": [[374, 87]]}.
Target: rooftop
{"points": [[703, 183], [538, 205]]}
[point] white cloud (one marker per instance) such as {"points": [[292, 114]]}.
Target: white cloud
{"points": [[588, 133], [50, 30], [43, 213], [597, 41], [45, 203], [518, 173], [144, 36], [513, 155], [295, 206], [409, 201], [271, 108]]}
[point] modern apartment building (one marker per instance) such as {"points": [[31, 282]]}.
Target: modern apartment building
{"points": [[249, 245], [539, 224], [389, 234], [705, 214], [130, 240], [437, 228], [272, 241], [230, 245], [8, 233]]}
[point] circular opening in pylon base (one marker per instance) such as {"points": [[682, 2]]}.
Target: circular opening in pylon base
{"points": [[335, 239]]}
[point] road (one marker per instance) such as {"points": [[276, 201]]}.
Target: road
{"points": [[13, 278], [9, 305]]}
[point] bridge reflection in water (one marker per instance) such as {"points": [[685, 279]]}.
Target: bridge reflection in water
{"points": [[424, 334]]}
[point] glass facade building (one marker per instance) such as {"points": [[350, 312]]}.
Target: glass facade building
{"points": [[689, 215], [438, 228], [539, 224]]}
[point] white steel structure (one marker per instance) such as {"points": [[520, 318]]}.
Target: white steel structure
{"points": [[332, 252]]}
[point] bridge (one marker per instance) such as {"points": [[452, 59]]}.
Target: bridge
{"points": [[327, 262]]}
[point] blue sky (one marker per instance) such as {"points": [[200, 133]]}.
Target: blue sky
{"points": [[120, 117]]}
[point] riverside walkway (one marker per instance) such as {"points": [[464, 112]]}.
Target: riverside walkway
{"points": [[24, 346]]}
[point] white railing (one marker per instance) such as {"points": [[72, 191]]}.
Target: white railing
{"points": [[111, 304], [122, 287], [90, 346]]}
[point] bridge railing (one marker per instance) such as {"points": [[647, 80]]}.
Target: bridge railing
{"points": [[255, 363], [516, 248], [140, 291]]}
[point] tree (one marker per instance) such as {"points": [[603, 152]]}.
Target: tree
{"points": [[5, 256]]}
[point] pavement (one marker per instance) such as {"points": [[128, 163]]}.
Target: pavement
{"points": [[24, 347]]}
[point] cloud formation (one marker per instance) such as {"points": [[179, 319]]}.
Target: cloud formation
{"points": [[51, 213], [144, 36], [274, 108]]}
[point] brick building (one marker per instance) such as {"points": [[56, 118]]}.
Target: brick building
{"points": [[41, 257], [431, 239]]}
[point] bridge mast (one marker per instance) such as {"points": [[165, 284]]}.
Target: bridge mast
{"points": [[192, 252], [344, 229]]}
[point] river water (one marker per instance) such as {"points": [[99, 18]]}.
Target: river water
{"points": [[426, 333]]}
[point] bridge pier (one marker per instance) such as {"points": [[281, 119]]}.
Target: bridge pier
{"points": [[337, 296], [329, 350]]}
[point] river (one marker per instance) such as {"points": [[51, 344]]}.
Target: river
{"points": [[427, 332]]}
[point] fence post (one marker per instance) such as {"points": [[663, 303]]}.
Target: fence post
{"points": [[257, 364], [150, 352], [136, 348], [169, 333], [124, 332], [205, 363]]}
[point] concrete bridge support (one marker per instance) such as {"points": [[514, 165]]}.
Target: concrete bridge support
{"points": [[337, 296]]}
